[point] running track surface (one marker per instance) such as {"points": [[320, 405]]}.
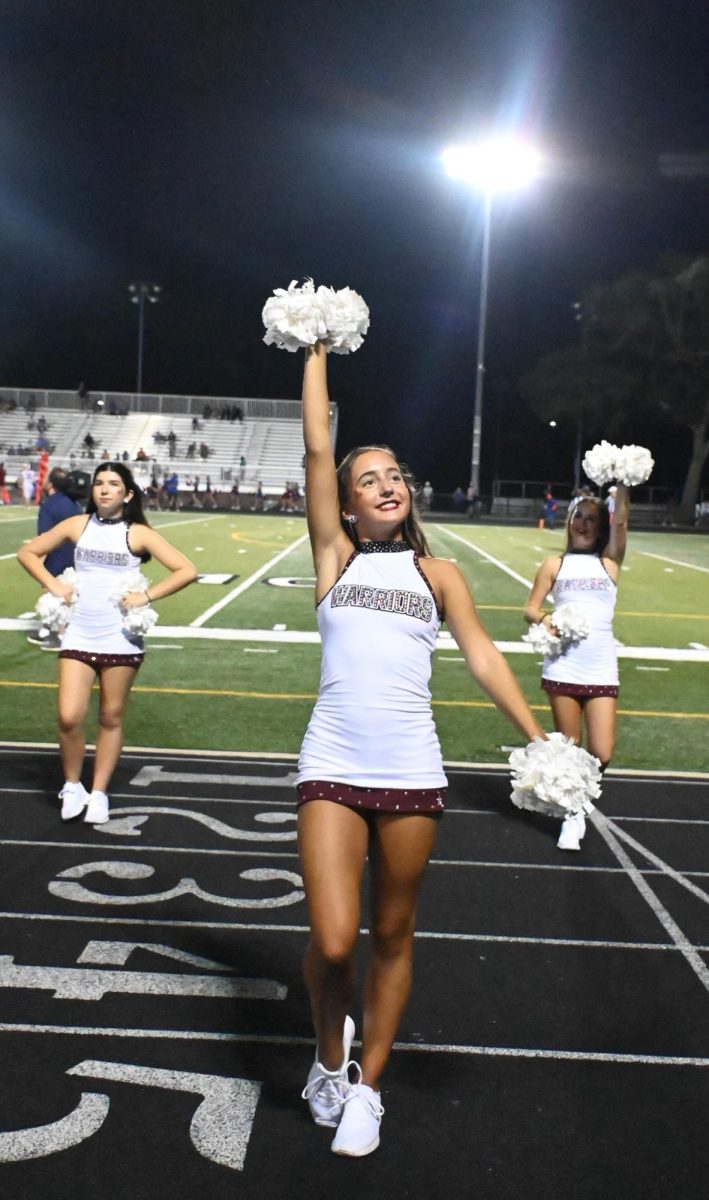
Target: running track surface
{"points": [[154, 1029]]}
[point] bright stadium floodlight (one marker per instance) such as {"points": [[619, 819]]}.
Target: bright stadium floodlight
{"points": [[492, 167]]}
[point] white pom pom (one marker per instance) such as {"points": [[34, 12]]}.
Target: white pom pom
{"points": [[571, 624], [554, 776], [634, 465], [346, 318], [297, 317], [136, 621], [600, 463], [543, 641], [53, 612]]}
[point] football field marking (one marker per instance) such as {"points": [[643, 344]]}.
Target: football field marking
{"points": [[484, 554], [215, 608], [677, 562]]}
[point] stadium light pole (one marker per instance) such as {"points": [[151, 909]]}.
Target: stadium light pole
{"points": [[139, 294], [489, 168]]}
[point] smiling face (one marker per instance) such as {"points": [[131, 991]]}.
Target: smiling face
{"points": [[109, 493], [585, 526], [378, 495]]}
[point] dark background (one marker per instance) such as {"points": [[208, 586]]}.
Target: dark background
{"points": [[222, 148]]}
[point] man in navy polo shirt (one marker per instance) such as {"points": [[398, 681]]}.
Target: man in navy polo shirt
{"points": [[57, 505]]}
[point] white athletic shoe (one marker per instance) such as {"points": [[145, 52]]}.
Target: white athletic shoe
{"points": [[572, 830], [358, 1131], [74, 800], [325, 1090], [97, 809]]}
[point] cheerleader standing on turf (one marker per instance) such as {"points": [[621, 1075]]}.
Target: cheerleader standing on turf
{"points": [[371, 779], [582, 683], [111, 539]]}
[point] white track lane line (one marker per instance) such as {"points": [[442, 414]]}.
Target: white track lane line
{"points": [[669, 925], [210, 612], [677, 562], [198, 1035], [659, 862], [484, 554]]}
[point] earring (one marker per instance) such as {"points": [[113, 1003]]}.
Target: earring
{"points": [[351, 518]]}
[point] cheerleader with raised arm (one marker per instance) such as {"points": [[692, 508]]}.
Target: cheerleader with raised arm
{"points": [[582, 682], [371, 781], [112, 540]]}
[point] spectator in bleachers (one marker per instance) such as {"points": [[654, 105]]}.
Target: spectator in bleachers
{"points": [[195, 425], [89, 443], [141, 456], [203, 450], [105, 456], [172, 443], [191, 450], [125, 457], [242, 468]]}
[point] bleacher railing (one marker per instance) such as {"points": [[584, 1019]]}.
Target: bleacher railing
{"points": [[123, 403]]}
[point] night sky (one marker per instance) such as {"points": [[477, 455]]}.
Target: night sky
{"points": [[222, 148]]}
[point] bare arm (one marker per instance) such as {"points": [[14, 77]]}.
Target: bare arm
{"points": [[327, 538], [32, 555], [618, 540], [534, 613], [182, 572], [486, 664]]}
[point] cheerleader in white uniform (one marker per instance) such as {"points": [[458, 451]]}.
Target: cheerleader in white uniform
{"points": [[582, 683], [112, 540], [371, 778]]}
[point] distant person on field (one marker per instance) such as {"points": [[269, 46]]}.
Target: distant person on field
{"points": [[582, 683], [426, 496], [57, 505]]}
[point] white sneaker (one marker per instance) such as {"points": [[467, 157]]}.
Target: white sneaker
{"points": [[358, 1131], [97, 809], [572, 830], [325, 1090], [74, 800]]}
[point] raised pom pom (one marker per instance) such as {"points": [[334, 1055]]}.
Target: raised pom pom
{"points": [[298, 317], [606, 463], [634, 466], [554, 776], [600, 463], [136, 621], [53, 612]]}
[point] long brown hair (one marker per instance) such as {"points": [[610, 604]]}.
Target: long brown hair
{"points": [[604, 523], [411, 526]]}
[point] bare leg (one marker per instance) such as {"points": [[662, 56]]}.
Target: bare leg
{"points": [[116, 683], [332, 842], [398, 858], [599, 716], [567, 712], [75, 682]]}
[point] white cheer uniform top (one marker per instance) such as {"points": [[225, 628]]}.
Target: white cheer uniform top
{"points": [[102, 558], [372, 725], [583, 580]]}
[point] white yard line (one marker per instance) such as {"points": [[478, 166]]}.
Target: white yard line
{"points": [[668, 923], [189, 521], [676, 562], [195, 631], [210, 612], [484, 554]]}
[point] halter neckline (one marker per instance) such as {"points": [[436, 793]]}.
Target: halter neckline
{"points": [[393, 547]]}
